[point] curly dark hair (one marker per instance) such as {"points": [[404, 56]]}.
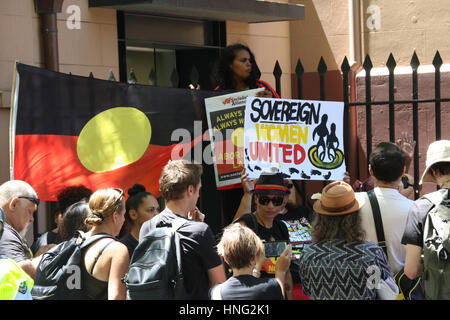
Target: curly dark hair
{"points": [[223, 73], [70, 195], [345, 227]]}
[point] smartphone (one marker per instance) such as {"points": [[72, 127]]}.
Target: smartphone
{"points": [[274, 248]]}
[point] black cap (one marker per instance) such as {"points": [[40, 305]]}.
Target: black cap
{"points": [[271, 183]]}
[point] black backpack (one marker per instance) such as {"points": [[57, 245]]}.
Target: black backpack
{"points": [[155, 271], [58, 275]]}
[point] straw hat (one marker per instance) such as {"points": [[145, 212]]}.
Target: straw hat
{"points": [[438, 151], [338, 198]]}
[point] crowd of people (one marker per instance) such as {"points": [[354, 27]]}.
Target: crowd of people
{"points": [[338, 264], [274, 248]]}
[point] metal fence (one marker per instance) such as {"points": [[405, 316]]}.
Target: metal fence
{"points": [[368, 103], [349, 101]]}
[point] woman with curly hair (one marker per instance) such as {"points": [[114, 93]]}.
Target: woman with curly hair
{"points": [[340, 264]]}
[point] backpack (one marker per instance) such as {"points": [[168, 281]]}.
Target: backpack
{"points": [[58, 275], [436, 247], [155, 271]]}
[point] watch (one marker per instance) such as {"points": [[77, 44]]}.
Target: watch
{"points": [[257, 272]]}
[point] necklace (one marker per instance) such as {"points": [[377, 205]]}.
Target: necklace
{"points": [[260, 221]]}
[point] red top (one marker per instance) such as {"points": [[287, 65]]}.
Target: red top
{"points": [[260, 84]]}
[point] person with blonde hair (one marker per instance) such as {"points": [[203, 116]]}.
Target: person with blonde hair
{"points": [[106, 260], [243, 250]]}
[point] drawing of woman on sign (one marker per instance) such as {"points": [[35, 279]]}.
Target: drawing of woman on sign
{"points": [[325, 154], [331, 141], [322, 131]]}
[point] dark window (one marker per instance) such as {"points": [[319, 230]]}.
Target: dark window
{"points": [[168, 52]]}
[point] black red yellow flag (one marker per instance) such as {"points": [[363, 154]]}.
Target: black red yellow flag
{"points": [[70, 130]]}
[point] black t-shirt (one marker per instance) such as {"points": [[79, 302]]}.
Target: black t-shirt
{"points": [[416, 221], [199, 252], [247, 287], [130, 242], [278, 231], [45, 239]]}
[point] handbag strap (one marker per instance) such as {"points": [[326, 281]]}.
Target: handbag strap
{"points": [[377, 219]]}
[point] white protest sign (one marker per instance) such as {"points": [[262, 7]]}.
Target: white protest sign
{"points": [[303, 139]]}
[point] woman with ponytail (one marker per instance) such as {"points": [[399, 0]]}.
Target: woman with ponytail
{"points": [[140, 207], [106, 260]]}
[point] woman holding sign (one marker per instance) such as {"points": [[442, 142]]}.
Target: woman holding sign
{"points": [[271, 196], [237, 70]]}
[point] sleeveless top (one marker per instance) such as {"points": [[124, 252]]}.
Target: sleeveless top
{"points": [[95, 289]]}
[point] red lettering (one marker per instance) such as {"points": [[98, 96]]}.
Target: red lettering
{"points": [[263, 151], [287, 151], [298, 148], [253, 146], [274, 147]]}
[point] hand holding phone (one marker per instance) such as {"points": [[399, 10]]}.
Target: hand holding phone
{"points": [[284, 260], [274, 248]]}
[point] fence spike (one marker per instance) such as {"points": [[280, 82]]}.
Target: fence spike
{"points": [[345, 66], [91, 75], [277, 72], [322, 68], [367, 65], [390, 63], [194, 76], [111, 76], [152, 77], [132, 78], [415, 61], [437, 60], [174, 78], [299, 70]]}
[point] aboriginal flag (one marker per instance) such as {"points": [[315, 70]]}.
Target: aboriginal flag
{"points": [[69, 130]]}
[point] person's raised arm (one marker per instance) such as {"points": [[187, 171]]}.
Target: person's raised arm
{"points": [[282, 273], [246, 201]]}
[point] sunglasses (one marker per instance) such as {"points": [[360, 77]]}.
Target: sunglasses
{"points": [[120, 191], [264, 200], [36, 201]]}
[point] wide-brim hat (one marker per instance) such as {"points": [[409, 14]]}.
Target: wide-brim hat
{"points": [[438, 151], [338, 198], [271, 183]]}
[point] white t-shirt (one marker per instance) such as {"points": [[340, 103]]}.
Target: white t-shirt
{"points": [[394, 209]]}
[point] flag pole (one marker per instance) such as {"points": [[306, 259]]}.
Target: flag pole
{"points": [[12, 119]]}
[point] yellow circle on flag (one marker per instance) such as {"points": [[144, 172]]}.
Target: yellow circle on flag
{"points": [[238, 137], [114, 138]]}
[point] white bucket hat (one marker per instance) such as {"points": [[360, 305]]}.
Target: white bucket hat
{"points": [[438, 151]]}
